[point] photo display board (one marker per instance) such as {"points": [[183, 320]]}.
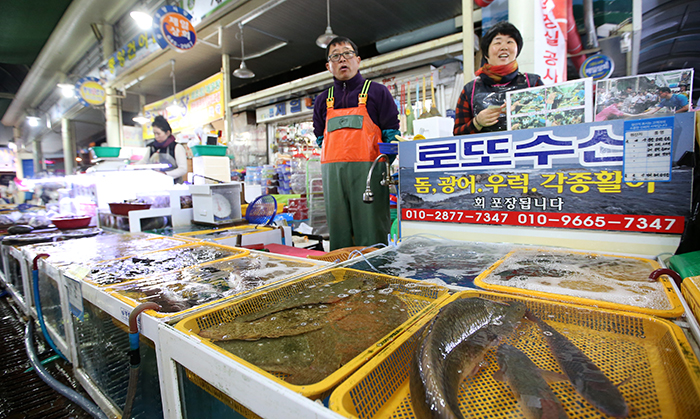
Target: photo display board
{"points": [[632, 176], [565, 103], [641, 96]]}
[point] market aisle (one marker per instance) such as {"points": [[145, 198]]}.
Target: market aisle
{"points": [[23, 394]]}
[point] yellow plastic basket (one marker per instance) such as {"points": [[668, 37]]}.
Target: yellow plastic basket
{"points": [[418, 297], [690, 288], [664, 375], [604, 296], [221, 233], [231, 250], [130, 293]]}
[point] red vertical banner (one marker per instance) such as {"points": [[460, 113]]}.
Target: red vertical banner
{"points": [[550, 55]]}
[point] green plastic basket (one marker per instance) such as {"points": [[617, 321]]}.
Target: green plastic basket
{"points": [[208, 150], [106, 151]]}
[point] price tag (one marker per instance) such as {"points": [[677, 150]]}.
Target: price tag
{"points": [[75, 297], [648, 152], [78, 271]]}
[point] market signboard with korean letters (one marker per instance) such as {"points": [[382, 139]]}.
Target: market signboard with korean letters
{"points": [[612, 175], [199, 105]]}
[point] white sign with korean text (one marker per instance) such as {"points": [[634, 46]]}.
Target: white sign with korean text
{"points": [[291, 108], [550, 45]]}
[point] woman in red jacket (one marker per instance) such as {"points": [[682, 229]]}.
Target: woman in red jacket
{"points": [[481, 106]]}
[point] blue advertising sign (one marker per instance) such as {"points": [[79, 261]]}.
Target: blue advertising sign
{"points": [[598, 67], [174, 29], [611, 175], [133, 52]]}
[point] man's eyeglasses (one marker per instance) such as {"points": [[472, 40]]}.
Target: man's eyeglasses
{"points": [[336, 57]]}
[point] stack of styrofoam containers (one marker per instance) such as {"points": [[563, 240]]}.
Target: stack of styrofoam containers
{"points": [[253, 188], [269, 179], [215, 167], [297, 179], [284, 173]]}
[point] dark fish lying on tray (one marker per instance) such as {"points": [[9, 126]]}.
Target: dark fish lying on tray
{"points": [[526, 381], [454, 342], [588, 380], [452, 345], [312, 334]]}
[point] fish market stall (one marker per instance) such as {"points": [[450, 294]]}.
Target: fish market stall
{"points": [[71, 254], [611, 362], [608, 281], [449, 263], [18, 270], [588, 214], [306, 335], [243, 235], [196, 287], [99, 321]]}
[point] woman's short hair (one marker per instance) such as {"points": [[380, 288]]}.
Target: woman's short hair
{"points": [[500, 28], [162, 123]]}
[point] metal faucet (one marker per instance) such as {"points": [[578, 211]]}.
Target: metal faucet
{"points": [[368, 196]]}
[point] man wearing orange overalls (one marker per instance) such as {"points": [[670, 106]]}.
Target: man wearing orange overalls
{"points": [[350, 119]]}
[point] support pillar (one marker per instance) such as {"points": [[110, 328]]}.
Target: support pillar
{"points": [[19, 169], [113, 103], [522, 14], [468, 40], [37, 156], [226, 70], [68, 136], [113, 116]]}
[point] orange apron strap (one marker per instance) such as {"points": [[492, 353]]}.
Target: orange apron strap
{"points": [[330, 100]]}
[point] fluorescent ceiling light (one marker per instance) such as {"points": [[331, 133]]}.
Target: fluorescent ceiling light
{"points": [[140, 119], [143, 19], [33, 121], [67, 90]]}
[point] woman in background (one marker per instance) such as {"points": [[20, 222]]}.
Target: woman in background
{"points": [[481, 106], [164, 149]]}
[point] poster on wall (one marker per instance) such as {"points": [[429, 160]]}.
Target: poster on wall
{"points": [[644, 95], [198, 105], [565, 103], [632, 176]]}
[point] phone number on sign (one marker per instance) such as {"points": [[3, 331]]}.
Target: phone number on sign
{"points": [[646, 223]]}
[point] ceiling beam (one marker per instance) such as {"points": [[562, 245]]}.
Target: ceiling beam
{"points": [[65, 47]]}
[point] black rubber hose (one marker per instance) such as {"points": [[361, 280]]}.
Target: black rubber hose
{"points": [[64, 390], [134, 355]]}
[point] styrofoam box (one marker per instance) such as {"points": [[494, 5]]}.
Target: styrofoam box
{"points": [[202, 162], [435, 127]]}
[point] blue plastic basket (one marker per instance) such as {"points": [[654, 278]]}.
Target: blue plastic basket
{"points": [[262, 211], [389, 148]]}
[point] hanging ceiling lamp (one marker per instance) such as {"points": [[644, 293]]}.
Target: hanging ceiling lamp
{"points": [[174, 108], [325, 39], [243, 72]]}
